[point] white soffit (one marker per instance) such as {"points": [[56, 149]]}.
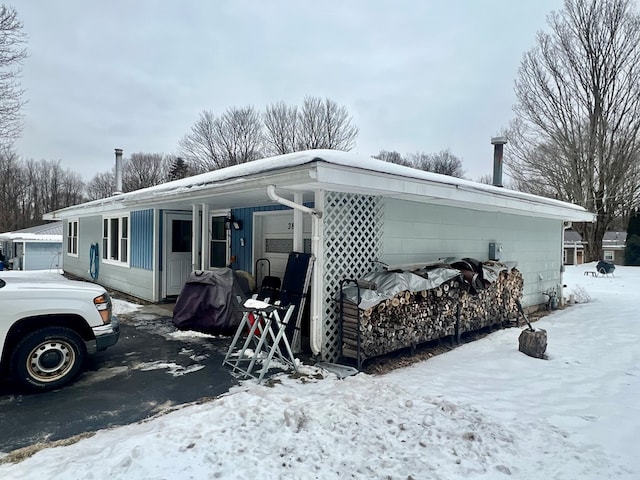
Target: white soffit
{"points": [[462, 193]]}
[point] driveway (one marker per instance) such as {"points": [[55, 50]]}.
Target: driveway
{"points": [[152, 368]]}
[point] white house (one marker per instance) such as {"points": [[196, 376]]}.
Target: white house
{"points": [[33, 248], [347, 210]]}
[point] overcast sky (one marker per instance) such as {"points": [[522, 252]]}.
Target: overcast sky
{"points": [[415, 75]]}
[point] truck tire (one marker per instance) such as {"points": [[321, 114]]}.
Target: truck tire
{"points": [[47, 358]]}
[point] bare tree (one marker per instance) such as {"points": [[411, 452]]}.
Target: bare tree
{"points": [[72, 189], [29, 189], [239, 135], [12, 54], [281, 128], [142, 170], [341, 133], [443, 162], [102, 185], [200, 144], [216, 142], [12, 190], [393, 157], [325, 124], [575, 136], [487, 179], [50, 188]]}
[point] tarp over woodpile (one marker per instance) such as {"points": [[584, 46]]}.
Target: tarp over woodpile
{"points": [[387, 284]]}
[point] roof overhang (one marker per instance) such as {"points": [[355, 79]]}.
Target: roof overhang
{"points": [[307, 172], [30, 238], [463, 194]]}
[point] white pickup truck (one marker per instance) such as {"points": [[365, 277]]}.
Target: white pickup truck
{"points": [[48, 324]]}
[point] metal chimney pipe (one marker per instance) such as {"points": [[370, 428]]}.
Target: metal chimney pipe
{"points": [[118, 172], [498, 151]]}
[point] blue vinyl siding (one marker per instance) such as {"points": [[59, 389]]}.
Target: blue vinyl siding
{"points": [[244, 260], [141, 238]]}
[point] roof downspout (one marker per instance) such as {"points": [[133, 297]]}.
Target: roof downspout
{"points": [[271, 192], [565, 226], [315, 329]]}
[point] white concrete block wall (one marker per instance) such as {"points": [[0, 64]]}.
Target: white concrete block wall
{"points": [[416, 232]]}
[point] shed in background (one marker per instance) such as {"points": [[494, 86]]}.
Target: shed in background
{"points": [[33, 248]]}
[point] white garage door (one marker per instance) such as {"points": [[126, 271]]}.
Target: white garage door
{"points": [[273, 240]]}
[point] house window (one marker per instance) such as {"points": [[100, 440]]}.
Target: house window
{"points": [[115, 239], [72, 238], [564, 256], [218, 243], [181, 236], [608, 255]]}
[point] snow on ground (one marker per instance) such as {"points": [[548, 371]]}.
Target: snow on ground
{"points": [[123, 307], [481, 411]]}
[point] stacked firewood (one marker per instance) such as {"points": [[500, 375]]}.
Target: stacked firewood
{"points": [[495, 304], [411, 318]]}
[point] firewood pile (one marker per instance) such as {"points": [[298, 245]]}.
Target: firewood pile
{"points": [[412, 317]]}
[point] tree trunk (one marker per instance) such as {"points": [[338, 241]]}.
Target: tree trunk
{"points": [[592, 234]]}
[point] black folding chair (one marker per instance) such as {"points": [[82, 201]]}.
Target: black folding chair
{"points": [[294, 291]]}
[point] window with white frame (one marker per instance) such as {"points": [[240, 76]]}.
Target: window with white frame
{"points": [[608, 255], [115, 239], [564, 256], [218, 242], [72, 238]]}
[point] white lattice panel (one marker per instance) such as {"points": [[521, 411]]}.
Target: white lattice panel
{"points": [[352, 241]]}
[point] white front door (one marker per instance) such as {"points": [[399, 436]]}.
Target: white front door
{"points": [[178, 233]]}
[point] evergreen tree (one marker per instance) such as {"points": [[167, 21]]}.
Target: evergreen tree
{"points": [[179, 169], [632, 247]]}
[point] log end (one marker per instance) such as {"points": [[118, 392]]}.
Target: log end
{"points": [[533, 342]]}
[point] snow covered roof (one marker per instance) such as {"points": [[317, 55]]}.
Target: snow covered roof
{"points": [[614, 238], [48, 232], [343, 171], [610, 238], [571, 236]]}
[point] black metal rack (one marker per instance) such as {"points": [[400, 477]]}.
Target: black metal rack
{"points": [[347, 281]]}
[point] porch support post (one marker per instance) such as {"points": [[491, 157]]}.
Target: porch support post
{"points": [[316, 332], [561, 284], [195, 235], [298, 225], [204, 240], [316, 328], [157, 254]]}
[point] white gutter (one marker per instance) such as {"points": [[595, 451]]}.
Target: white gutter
{"points": [[315, 329]]}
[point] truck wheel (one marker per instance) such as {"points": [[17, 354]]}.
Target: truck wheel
{"points": [[48, 358]]}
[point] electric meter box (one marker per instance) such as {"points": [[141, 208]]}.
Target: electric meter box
{"points": [[495, 251]]}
